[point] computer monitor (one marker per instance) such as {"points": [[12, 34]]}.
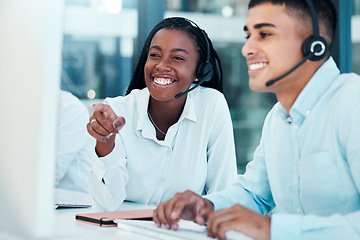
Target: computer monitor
{"points": [[30, 54]]}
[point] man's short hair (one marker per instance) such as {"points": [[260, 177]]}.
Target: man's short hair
{"points": [[325, 11]]}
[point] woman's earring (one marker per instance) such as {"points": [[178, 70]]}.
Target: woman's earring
{"points": [[196, 80]]}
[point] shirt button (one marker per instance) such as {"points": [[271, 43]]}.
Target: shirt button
{"points": [[295, 127], [307, 112], [155, 203], [298, 210]]}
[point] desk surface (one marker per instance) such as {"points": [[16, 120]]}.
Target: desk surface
{"points": [[74, 230], [67, 228]]}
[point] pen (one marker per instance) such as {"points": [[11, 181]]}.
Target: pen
{"points": [[109, 135]]}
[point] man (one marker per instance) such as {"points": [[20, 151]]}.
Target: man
{"points": [[307, 164]]}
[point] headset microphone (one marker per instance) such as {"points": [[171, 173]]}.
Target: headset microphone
{"points": [[183, 93], [271, 82], [314, 47]]}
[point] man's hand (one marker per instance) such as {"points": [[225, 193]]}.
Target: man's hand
{"points": [[187, 205], [240, 219]]}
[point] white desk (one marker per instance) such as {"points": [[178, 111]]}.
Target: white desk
{"points": [[66, 227]]}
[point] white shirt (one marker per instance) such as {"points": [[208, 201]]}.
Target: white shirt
{"points": [[75, 147], [197, 153]]}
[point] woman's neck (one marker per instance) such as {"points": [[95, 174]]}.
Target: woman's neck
{"points": [[164, 115]]}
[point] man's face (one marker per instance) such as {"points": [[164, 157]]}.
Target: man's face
{"points": [[273, 47]]}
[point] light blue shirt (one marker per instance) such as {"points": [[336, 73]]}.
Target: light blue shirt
{"points": [[308, 163]]}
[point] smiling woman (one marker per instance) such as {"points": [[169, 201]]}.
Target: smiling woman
{"points": [[169, 70], [171, 142]]}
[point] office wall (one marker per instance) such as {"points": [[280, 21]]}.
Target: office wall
{"points": [[107, 58]]}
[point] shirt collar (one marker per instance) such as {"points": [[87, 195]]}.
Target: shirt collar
{"points": [[313, 91]]}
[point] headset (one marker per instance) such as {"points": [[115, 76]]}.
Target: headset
{"points": [[314, 47], [204, 71]]}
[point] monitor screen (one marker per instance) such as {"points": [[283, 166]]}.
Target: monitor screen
{"points": [[30, 54]]}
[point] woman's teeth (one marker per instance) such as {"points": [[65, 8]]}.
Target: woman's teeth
{"points": [[163, 81]]}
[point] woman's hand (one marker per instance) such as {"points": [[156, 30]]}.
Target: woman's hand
{"points": [[103, 126]]}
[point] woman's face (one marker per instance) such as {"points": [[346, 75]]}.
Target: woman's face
{"points": [[171, 64]]}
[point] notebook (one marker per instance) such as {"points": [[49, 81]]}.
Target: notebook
{"points": [[106, 219]]}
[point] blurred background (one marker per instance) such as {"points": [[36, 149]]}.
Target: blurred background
{"points": [[103, 38]]}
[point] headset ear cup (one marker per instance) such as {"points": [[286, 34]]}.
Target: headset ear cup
{"points": [[204, 71], [316, 45]]}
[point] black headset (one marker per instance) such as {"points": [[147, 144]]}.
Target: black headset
{"points": [[205, 70], [314, 47]]}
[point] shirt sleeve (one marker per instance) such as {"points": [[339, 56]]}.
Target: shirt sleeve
{"points": [[109, 176], [221, 155], [251, 189]]}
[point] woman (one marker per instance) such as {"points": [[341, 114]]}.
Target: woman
{"points": [[169, 144]]}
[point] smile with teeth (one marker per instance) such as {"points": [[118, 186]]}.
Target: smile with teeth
{"points": [[163, 81], [257, 66]]}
